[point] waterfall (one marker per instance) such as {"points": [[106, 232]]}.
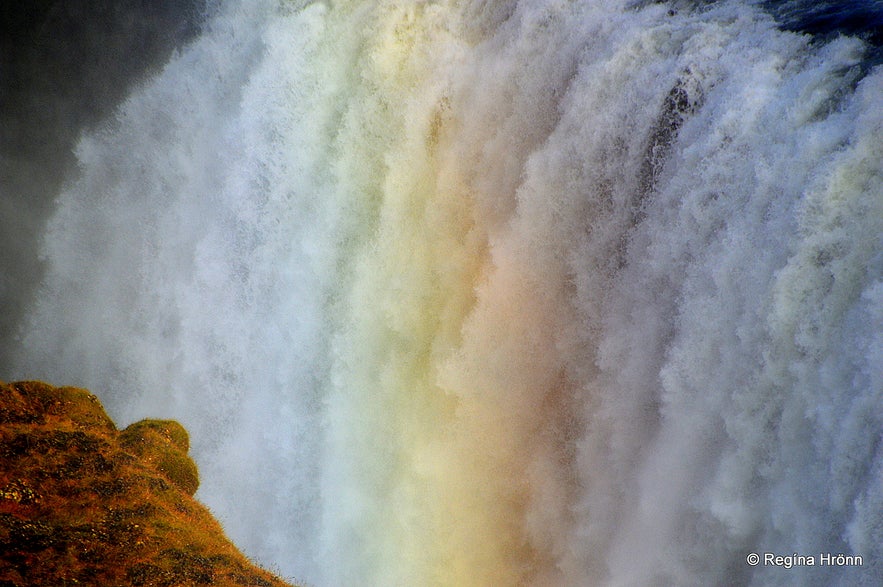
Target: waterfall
{"points": [[494, 293]]}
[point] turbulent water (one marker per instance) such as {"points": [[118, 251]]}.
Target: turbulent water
{"points": [[496, 293]]}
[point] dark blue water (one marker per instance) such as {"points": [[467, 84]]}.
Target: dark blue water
{"points": [[826, 20]]}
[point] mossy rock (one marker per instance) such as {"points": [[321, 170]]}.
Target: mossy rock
{"points": [[83, 503], [34, 401], [163, 444], [169, 430]]}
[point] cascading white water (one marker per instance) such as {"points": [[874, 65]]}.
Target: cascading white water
{"points": [[549, 293]]}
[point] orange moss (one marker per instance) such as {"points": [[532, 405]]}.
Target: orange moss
{"points": [[84, 504], [163, 444]]}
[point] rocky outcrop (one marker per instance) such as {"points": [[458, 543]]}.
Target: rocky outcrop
{"points": [[82, 503]]}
